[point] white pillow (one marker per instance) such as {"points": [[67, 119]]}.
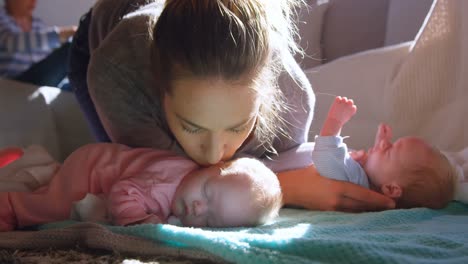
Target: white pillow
{"points": [[363, 77], [310, 31]]}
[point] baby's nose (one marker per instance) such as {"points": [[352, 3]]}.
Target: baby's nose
{"points": [[384, 144], [199, 207]]}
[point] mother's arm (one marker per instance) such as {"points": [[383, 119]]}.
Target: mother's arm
{"points": [[301, 184], [306, 188]]}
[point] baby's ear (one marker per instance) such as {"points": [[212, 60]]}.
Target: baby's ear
{"points": [[392, 190], [359, 156]]}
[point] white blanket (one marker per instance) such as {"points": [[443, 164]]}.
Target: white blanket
{"points": [[420, 88]]}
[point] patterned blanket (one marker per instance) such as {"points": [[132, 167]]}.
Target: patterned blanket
{"points": [[417, 235]]}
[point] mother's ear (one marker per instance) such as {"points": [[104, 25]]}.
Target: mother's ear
{"points": [[392, 190]]}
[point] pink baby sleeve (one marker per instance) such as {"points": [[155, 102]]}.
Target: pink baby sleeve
{"points": [[128, 204]]}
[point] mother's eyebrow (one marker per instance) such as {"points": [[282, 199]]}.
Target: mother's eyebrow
{"points": [[198, 126]]}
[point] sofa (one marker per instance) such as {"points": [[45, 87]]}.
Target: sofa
{"points": [[414, 77]]}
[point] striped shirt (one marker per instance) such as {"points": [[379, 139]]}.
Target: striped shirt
{"points": [[18, 49]]}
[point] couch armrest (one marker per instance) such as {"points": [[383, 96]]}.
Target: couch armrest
{"points": [[71, 127], [41, 115]]}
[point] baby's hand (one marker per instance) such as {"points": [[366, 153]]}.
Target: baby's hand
{"points": [[342, 110], [360, 156]]}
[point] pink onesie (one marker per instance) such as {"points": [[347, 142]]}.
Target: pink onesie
{"points": [[137, 184]]}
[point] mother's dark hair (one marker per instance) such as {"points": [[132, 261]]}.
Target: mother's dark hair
{"points": [[240, 41]]}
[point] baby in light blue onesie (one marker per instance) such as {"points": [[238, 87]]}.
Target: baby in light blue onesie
{"points": [[409, 170], [332, 159]]}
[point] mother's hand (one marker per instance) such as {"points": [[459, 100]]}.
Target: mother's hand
{"points": [[308, 189]]}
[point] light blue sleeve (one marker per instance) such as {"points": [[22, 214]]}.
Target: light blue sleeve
{"points": [[332, 160]]}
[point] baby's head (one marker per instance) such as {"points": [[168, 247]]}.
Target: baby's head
{"points": [[412, 172], [243, 192]]}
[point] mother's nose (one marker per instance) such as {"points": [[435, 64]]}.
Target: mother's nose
{"points": [[215, 150]]}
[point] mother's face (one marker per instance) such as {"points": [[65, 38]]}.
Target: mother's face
{"points": [[210, 118]]}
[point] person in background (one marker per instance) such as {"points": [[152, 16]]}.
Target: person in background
{"points": [[137, 185], [29, 50]]}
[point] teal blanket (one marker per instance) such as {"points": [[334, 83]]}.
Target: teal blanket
{"points": [[298, 236]]}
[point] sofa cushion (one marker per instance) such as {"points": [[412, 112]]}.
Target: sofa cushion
{"points": [[43, 116], [404, 19], [310, 22], [26, 118], [71, 128], [353, 26]]}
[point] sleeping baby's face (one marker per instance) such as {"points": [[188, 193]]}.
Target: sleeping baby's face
{"points": [[412, 172], [206, 198], [387, 161], [409, 170]]}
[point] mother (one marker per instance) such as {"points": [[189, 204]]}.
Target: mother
{"points": [[206, 79]]}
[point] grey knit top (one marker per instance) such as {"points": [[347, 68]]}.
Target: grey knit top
{"points": [[120, 84]]}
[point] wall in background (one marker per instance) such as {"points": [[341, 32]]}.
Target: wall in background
{"points": [[61, 12]]}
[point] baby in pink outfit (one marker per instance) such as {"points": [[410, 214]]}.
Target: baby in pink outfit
{"points": [[142, 185]]}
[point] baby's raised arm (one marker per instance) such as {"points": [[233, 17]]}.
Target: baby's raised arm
{"points": [[341, 111]]}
